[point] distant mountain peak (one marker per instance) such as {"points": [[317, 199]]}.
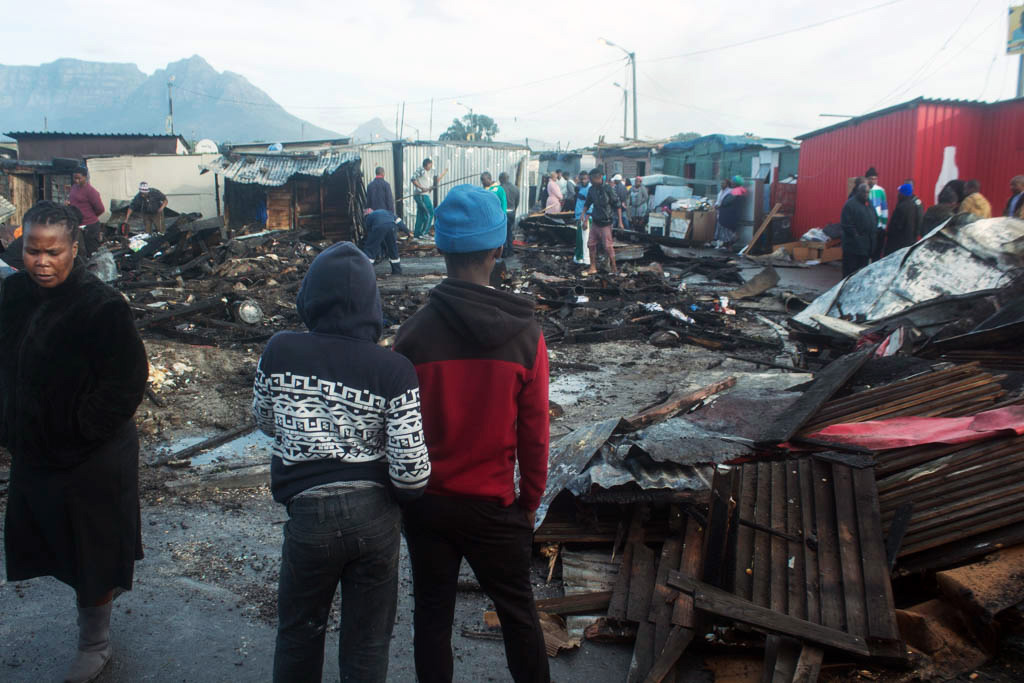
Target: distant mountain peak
{"points": [[102, 97]]}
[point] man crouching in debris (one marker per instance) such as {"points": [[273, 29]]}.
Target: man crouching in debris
{"points": [[72, 372], [483, 370], [606, 207], [382, 227], [348, 442]]}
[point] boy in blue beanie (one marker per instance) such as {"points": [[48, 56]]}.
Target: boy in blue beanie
{"points": [[348, 445], [483, 370]]}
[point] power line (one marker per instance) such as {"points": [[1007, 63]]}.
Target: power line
{"points": [[921, 69], [481, 93], [777, 34]]}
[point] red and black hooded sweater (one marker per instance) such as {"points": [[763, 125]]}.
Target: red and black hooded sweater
{"points": [[483, 372]]}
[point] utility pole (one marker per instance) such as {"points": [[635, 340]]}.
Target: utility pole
{"points": [[430, 131], [625, 109], [632, 58], [170, 106], [1020, 76], [401, 134]]}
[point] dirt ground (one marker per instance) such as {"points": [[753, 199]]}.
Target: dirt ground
{"points": [[204, 603]]}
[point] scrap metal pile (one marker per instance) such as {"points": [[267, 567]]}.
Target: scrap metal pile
{"points": [[875, 520]]}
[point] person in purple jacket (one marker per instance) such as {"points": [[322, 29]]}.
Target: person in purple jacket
{"points": [[86, 199]]}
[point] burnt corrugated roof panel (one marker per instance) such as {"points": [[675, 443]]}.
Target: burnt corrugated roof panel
{"points": [[274, 170]]}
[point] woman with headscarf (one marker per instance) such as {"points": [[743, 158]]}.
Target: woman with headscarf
{"points": [[638, 205], [730, 212], [72, 372], [555, 196]]}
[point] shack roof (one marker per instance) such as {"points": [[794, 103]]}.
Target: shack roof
{"points": [[59, 135], [897, 107], [731, 143], [274, 170]]}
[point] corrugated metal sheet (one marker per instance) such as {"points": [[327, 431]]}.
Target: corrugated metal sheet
{"points": [[274, 170], [464, 163], [909, 141]]}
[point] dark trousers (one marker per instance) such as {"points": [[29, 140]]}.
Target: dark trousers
{"points": [[853, 262], [510, 218], [877, 244], [352, 538], [92, 237], [382, 239], [496, 541]]}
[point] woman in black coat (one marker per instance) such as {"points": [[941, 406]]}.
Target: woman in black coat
{"points": [[904, 227], [72, 372], [858, 222]]}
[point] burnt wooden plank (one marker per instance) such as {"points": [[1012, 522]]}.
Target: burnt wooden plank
{"points": [[833, 613], [716, 601], [786, 659], [661, 601], [581, 603], [718, 525], [849, 550], [779, 589], [897, 530], [808, 666], [641, 583], [689, 565], [679, 639], [808, 520], [743, 580], [796, 600], [826, 383], [772, 644], [731, 561], [620, 593], [643, 653], [881, 616], [762, 542]]}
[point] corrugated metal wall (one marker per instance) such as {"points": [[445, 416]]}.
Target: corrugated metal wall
{"points": [[464, 164], [911, 143], [827, 161]]}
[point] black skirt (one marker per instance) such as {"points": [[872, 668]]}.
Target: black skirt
{"points": [[80, 525]]}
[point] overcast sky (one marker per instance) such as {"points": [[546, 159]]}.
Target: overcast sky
{"points": [[340, 64]]}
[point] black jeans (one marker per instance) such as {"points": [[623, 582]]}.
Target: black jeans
{"points": [[352, 537], [496, 541], [510, 220], [381, 240]]}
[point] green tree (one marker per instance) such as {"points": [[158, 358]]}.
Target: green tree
{"points": [[683, 137], [471, 127]]}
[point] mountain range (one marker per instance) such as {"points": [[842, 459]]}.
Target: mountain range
{"points": [[72, 95]]}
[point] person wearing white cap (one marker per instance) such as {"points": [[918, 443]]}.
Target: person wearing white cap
{"points": [[150, 202]]}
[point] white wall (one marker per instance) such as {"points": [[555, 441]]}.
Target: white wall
{"points": [[177, 176]]}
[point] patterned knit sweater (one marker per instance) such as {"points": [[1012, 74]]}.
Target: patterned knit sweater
{"points": [[340, 407]]}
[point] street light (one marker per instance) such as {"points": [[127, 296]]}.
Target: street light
{"points": [[625, 108], [632, 61]]}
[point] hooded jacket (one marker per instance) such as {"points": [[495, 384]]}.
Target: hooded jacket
{"points": [[483, 370], [858, 222], [340, 408]]}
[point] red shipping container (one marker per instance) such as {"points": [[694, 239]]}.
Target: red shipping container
{"points": [[910, 140]]}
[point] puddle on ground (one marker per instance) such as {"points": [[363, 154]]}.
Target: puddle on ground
{"points": [[255, 446], [566, 390]]}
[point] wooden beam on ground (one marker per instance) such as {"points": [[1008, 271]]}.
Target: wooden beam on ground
{"points": [[676, 402], [212, 442], [720, 603], [678, 640], [764, 226], [582, 603]]}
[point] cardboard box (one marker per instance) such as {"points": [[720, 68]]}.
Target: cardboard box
{"points": [[703, 225], [679, 228], [656, 224], [813, 251]]}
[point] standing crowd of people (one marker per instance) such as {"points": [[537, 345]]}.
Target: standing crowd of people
{"points": [[443, 440], [870, 232]]}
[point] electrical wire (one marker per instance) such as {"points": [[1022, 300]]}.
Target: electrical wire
{"points": [[481, 93], [778, 34], [911, 79]]}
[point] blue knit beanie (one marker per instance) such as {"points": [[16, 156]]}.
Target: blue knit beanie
{"points": [[469, 219], [906, 189]]}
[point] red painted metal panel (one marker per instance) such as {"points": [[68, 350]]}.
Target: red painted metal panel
{"points": [[910, 143]]}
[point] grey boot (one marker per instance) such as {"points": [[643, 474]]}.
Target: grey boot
{"points": [[93, 644]]}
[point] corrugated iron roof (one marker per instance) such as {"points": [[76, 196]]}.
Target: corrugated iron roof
{"points": [[274, 170], [59, 134], [731, 142], [897, 107]]}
